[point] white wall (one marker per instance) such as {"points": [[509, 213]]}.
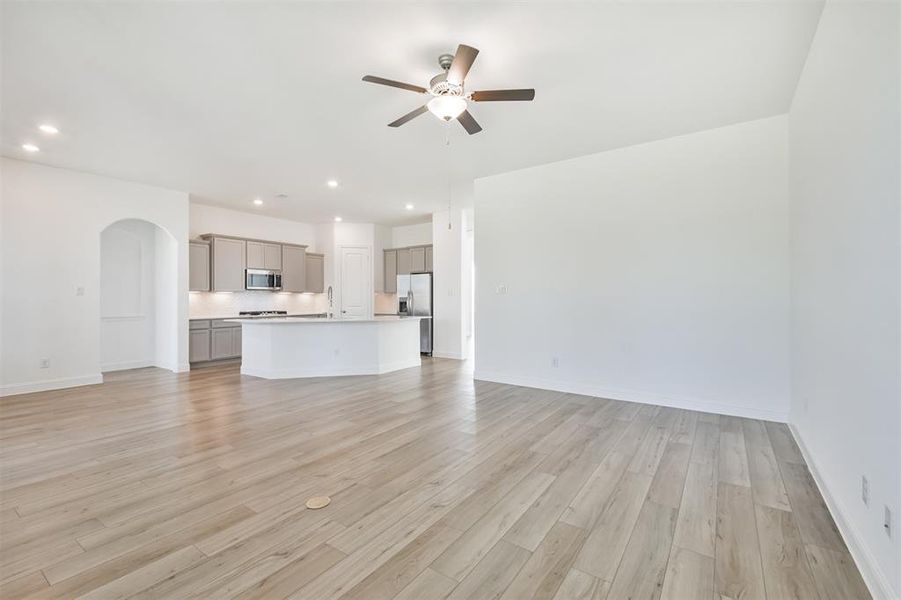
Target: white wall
{"points": [[128, 295], [846, 266], [212, 219], [52, 219], [382, 239], [411, 235], [654, 273], [448, 288]]}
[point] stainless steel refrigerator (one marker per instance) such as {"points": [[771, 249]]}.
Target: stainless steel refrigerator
{"points": [[414, 298]]}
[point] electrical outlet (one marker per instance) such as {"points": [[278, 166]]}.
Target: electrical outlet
{"points": [[79, 291], [888, 521], [501, 289], [555, 362], [865, 490], [45, 363]]}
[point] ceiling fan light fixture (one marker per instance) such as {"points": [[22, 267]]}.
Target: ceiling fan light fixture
{"points": [[447, 108]]}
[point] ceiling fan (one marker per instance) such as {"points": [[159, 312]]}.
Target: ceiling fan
{"points": [[449, 97]]}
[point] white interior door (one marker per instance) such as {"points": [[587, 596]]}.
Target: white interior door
{"points": [[356, 282]]}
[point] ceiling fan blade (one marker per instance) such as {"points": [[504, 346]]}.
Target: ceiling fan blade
{"points": [[469, 123], [503, 95], [397, 84], [463, 60], [409, 116]]}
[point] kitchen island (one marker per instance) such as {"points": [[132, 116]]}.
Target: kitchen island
{"points": [[282, 348]]}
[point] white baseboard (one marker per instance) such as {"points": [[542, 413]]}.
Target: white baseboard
{"points": [[599, 391], [125, 365], [876, 580], [297, 373], [50, 384]]}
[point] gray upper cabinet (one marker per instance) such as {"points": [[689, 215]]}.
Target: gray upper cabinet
{"points": [[199, 267], [390, 272], [417, 260], [315, 275], [264, 255], [228, 258], [294, 269], [403, 261]]}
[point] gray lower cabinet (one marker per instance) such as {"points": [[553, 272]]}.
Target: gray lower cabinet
{"points": [[390, 271], [199, 346], [213, 340], [315, 275], [228, 261], [222, 343], [294, 268], [199, 267]]}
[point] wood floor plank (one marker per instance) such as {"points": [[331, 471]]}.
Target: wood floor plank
{"points": [[688, 575], [543, 573], [463, 555], [835, 574], [783, 443], [738, 570], [696, 524], [809, 508], [766, 478], [733, 459], [590, 501], [428, 585], [785, 570], [581, 586], [643, 566], [603, 549], [193, 485], [669, 479], [493, 573], [406, 566]]}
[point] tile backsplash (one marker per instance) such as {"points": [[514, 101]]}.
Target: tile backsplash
{"points": [[385, 303], [205, 305]]}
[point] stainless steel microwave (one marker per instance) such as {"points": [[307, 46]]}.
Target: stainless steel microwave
{"points": [[262, 279]]}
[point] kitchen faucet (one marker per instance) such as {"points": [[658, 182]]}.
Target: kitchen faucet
{"points": [[331, 312]]}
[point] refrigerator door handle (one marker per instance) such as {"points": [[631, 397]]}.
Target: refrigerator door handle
{"points": [[410, 302]]}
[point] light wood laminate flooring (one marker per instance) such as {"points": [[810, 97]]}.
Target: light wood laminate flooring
{"points": [[161, 485]]}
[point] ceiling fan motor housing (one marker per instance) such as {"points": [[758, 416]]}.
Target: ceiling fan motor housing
{"points": [[439, 86]]}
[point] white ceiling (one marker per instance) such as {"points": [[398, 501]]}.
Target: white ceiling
{"points": [[229, 101]]}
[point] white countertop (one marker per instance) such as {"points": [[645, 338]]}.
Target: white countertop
{"points": [[309, 320], [234, 316]]}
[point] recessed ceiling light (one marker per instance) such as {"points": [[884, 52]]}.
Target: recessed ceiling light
{"points": [[258, 202], [409, 206], [30, 148], [338, 219], [47, 128], [332, 183]]}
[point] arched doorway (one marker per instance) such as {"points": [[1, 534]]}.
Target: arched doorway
{"points": [[138, 296]]}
